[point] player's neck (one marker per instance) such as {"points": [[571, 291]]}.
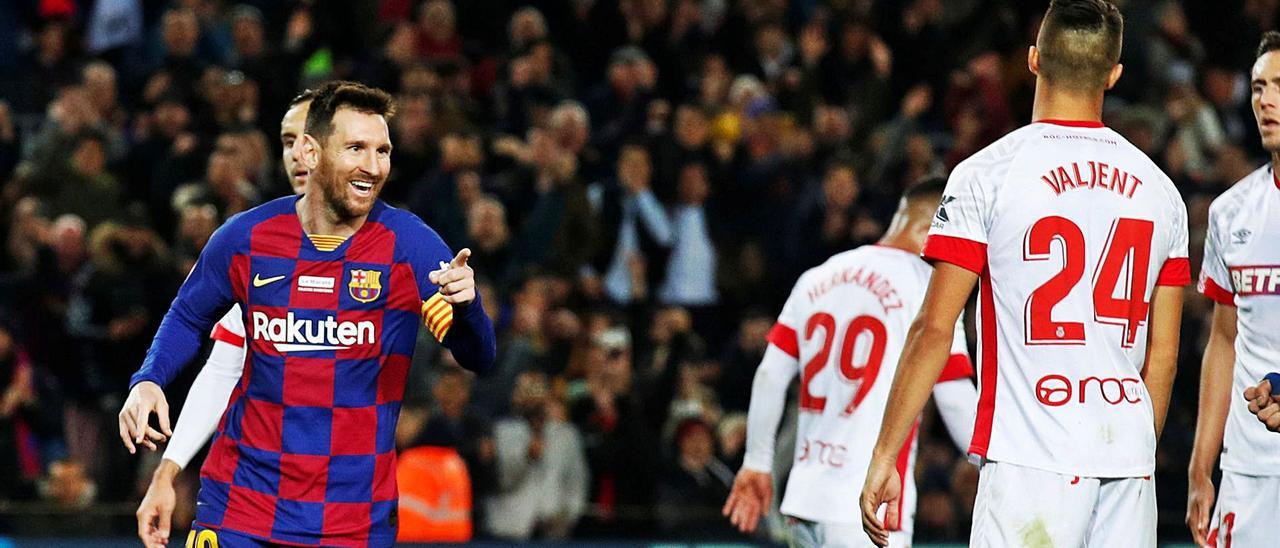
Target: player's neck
{"points": [[317, 217], [1057, 104], [1275, 162]]}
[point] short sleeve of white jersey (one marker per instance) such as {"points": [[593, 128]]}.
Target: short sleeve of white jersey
{"points": [[959, 231], [784, 333], [230, 329], [1215, 278], [1176, 270]]}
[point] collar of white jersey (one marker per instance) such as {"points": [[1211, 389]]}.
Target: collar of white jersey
{"points": [[1072, 123]]}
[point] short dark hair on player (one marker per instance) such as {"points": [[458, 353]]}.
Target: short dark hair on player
{"points": [[304, 96], [929, 188], [1080, 43], [339, 94], [1270, 42]]}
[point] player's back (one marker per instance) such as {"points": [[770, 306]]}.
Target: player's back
{"points": [[850, 317], [1071, 227]]}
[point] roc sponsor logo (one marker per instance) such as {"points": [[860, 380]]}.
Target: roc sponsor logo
{"points": [[1057, 390], [293, 334], [1256, 279], [365, 285]]}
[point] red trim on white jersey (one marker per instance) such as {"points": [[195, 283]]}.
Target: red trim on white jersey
{"points": [[987, 387], [1176, 271], [784, 337], [904, 459], [958, 367], [962, 252], [225, 335], [1212, 290], [1072, 123], [1275, 179]]}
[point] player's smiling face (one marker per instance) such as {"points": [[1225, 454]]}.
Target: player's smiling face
{"points": [[1265, 81], [354, 162]]}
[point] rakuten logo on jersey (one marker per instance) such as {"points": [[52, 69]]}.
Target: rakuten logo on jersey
{"points": [[1057, 390], [1256, 280], [292, 334]]}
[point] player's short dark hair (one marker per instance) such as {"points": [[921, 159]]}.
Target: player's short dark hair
{"points": [[304, 96], [1080, 42], [930, 188], [1270, 42], [339, 94]]}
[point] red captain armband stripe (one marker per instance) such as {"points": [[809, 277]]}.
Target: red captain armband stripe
{"points": [[1175, 271], [784, 337], [958, 367], [962, 252], [225, 335], [1212, 290]]}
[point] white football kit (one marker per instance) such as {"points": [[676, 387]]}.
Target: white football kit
{"points": [[207, 399], [1070, 228], [842, 330], [1241, 268]]}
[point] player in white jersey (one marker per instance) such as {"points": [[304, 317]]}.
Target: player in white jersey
{"points": [[209, 393], [1081, 245], [842, 330], [1241, 273]]}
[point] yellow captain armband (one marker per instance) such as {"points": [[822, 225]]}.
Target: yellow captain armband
{"points": [[437, 315]]}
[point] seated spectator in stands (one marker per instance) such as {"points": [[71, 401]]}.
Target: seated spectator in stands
{"points": [[694, 486], [542, 471], [615, 422]]}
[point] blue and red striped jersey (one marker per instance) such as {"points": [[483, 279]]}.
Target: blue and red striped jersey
{"points": [[305, 452]]}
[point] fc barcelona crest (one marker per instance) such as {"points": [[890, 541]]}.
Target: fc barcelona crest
{"points": [[365, 285]]}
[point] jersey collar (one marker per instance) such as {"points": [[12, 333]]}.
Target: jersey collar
{"points": [[1072, 123]]}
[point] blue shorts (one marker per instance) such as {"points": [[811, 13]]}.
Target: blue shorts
{"points": [[204, 537]]}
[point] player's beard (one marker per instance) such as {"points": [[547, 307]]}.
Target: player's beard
{"points": [[333, 190]]}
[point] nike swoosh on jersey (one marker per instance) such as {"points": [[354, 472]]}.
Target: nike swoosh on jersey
{"points": [[259, 281]]}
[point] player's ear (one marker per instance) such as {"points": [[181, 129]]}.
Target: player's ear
{"points": [[1114, 77], [308, 150], [1033, 60]]}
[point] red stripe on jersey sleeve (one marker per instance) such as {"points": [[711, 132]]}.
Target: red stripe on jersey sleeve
{"points": [[1214, 291], [222, 334], [958, 367], [1175, 271], [962, 252], [784, 337]]}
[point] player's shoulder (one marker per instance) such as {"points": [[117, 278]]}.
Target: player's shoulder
{"points": [[234, 234], [409, 229], [886, 259], [1000, 153], [1234, 199], [1156, 174]]}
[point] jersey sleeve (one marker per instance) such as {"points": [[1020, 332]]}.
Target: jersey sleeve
{"points": [[1176, 270], [465, 330], [230, 329], [1215, 278], [203, 298], [785, 331], [959, 231], [209, 394]]}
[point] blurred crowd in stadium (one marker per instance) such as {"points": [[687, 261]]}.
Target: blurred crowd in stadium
{"points": [[641, 182]]}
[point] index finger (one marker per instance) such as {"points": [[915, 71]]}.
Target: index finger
{"points": [[461, 260], [124, 435]]}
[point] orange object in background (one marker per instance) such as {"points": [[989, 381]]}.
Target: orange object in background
{"points": [[435, 496]]}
